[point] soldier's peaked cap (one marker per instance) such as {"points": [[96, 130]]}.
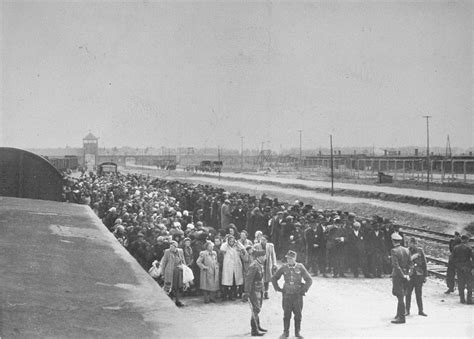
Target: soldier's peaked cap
{"points": [[396, 236]]}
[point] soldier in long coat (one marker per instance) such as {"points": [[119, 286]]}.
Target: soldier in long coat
{"points": [[400, 266], [209, 277], [270, 261]]}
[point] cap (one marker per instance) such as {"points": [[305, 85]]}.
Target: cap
{"points": [[291, 254], [173, 242], [396, 236]]}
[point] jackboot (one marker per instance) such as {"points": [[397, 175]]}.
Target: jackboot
{"points": [[297, 329], [286, 328], [254, 332], [260, 327]]}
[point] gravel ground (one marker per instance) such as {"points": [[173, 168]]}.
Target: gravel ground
{"points": [[342, 308]]}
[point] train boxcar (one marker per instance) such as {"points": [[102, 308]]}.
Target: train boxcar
{"points": [[27, 175]]}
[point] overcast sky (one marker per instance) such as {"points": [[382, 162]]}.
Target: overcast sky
{"points": [[206, 73]]}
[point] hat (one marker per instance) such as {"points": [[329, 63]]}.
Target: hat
{"points": [[352, 215], [186, 239], [174, 242], [140, 234], [291, 254], [465, 237], [357, 224], [396, 236], [226, 201]]}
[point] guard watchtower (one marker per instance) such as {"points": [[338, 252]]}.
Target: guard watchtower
{"points": [[90, 144]]}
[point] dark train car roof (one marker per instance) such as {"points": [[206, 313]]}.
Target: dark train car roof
{"points": [[27, 175], [64, 275]]}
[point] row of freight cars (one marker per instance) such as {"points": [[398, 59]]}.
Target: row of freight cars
{"points": [[63, 164]]}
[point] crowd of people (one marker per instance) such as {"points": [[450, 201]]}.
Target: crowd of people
{"points": [[171, 224]]}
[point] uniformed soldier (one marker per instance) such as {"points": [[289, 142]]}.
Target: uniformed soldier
{"points": [[462, 259], [400, 266], [254, 291], [293, 291]]}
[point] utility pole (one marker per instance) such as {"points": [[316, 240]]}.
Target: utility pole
{"points": [[332, 166], [241, 154], [427, 117], [301, 158], [219, 159]]}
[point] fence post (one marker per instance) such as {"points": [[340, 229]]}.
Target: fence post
{"points": [[464, 169]]}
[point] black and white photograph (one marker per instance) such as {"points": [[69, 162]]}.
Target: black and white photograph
{"points": [[234, 169]]}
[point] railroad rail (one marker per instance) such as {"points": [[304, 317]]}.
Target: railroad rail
{"points": [[421, 233], [437, 267]]}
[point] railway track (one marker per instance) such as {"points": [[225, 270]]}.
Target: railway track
{"points": [[435, 236], [437, 267]]}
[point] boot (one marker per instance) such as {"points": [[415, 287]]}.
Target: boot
{"points": [[254, 332], [398, 321], [260, 327], [265, 295], [297, 329], [206, 297], [286, 328]]}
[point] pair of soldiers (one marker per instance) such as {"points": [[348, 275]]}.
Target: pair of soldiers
{"points": [[297, 283], [409, 273]]}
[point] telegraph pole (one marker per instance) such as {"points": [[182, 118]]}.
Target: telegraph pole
{"points": [[241, 154], [427, 117], [301, 158], [332, 166], [219, 159]]}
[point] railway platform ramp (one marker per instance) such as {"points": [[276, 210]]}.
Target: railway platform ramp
{"points": [[63, 275]]}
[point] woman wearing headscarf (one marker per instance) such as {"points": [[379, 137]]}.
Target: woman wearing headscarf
{"points": [[171, 266], [209, 277], [232, 272]]}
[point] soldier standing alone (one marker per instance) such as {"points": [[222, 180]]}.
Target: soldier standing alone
{"points": [[254, 291], [293, 291]]}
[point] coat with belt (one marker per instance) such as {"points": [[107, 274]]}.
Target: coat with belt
{"points": [[232, 264], [169, 263], [270, 261], [209, 266], [400, 257]]}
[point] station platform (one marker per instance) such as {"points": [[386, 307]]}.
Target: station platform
{"points": [[63, 274]]}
